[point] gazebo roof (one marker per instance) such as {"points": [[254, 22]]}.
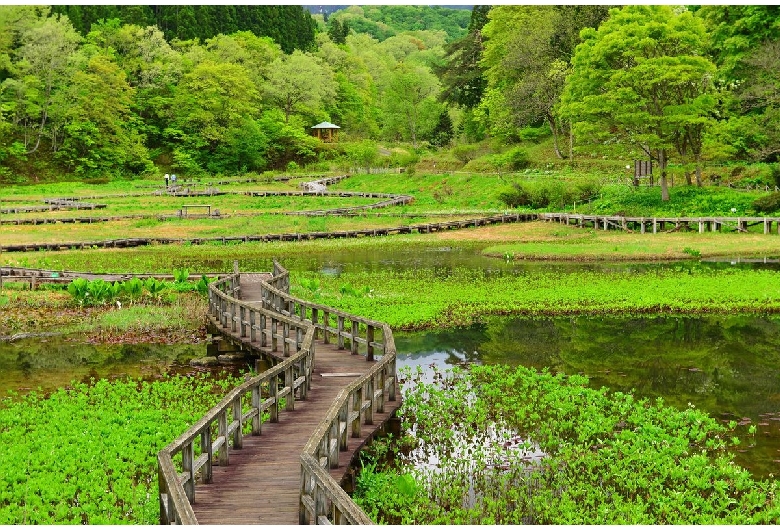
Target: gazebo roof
{"points": [[326, 125]]}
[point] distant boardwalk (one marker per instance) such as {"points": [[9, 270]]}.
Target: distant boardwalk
{"points": [[275, 449]]}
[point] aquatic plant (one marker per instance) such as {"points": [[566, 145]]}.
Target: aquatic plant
{"points": [[503, 445], [87, 454]]}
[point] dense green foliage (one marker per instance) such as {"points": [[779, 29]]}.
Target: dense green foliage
{"points": [[290, 26], [101, 292], [497, 445], [119, 91], [383, 22], [88, 454], [438, 298]]}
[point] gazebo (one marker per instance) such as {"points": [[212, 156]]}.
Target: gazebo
{"points": [[332, 131]]}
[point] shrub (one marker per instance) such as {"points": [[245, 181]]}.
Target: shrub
{"points": [[466, 152], [768, 203], [515, 159], [551, 194]]}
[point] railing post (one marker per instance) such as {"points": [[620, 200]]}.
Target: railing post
{"points": [[289, 380], [242, 320], [285, 336], [165, 498], [357, 405], [340, 331], [307, 490], [274, 339], [333, 449], [326, 321], [222, 429], [393, 380], [257, 420], [369, 341], [369, 418], [238, 434], [354, 344], [187, 464], [263, 334], [273, 390], [380, 404], [252, 332], [233, 317], [314, 321], [205, 449], [343, 419]]}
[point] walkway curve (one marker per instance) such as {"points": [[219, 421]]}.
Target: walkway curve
{"points": [[266, 486]]}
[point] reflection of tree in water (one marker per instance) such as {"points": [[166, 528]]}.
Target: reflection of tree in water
{"points": [[461, 345], [720, 363]]}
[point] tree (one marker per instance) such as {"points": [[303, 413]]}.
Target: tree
{"points": [[526, 70], [411, 109], [211, 103], [462, 75], [338, 32], [640, 80], [758, 97], [299, 81], [44, 65], [736, 30], [99, 136]]}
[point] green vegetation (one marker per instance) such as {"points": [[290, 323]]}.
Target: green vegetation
{"points": [[384, 22], [431, 298], [527, 447], [107, 92], [87, 454]]}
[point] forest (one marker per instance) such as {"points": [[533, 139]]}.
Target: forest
{"points": [[105, 92]]}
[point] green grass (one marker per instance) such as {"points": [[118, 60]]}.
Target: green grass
{"points": [[428, 298]]}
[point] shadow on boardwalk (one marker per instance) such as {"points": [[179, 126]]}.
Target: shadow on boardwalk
{"points": [[280, 459]]}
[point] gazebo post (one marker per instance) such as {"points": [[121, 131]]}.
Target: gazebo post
{"points": [[330, 128]]}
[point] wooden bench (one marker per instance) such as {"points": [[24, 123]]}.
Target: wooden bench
{"points": [[183, 211]]}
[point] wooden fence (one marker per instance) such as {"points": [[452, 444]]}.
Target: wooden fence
{"points": [[322, 500]]}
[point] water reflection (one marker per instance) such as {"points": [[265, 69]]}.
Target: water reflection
{"points": [[55, 362], [728, 366]]}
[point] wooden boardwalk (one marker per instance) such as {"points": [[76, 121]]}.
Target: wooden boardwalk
{"points": [[262, 483]]}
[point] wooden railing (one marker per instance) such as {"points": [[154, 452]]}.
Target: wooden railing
{"points": [[225, 422], [350, 331], [322, 500]]}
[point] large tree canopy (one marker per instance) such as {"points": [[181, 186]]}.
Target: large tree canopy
{"points": [[292, 27], [642, 79]]}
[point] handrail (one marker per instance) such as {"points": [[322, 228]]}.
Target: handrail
{"points": [[348, 326], [226, 420], [322, 500]]}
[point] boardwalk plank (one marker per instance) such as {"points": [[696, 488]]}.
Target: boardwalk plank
{"points": [[261, 485]]}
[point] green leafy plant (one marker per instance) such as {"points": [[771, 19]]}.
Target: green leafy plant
{"points": [[181, 275], [78, 289]]}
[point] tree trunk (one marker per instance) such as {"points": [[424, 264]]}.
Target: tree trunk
{"points": [[688, 178], [698, 170], [554, 131], [662, 167]]}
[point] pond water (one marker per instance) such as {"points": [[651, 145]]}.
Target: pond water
{"points": [[54, 362], [728, 366]]}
